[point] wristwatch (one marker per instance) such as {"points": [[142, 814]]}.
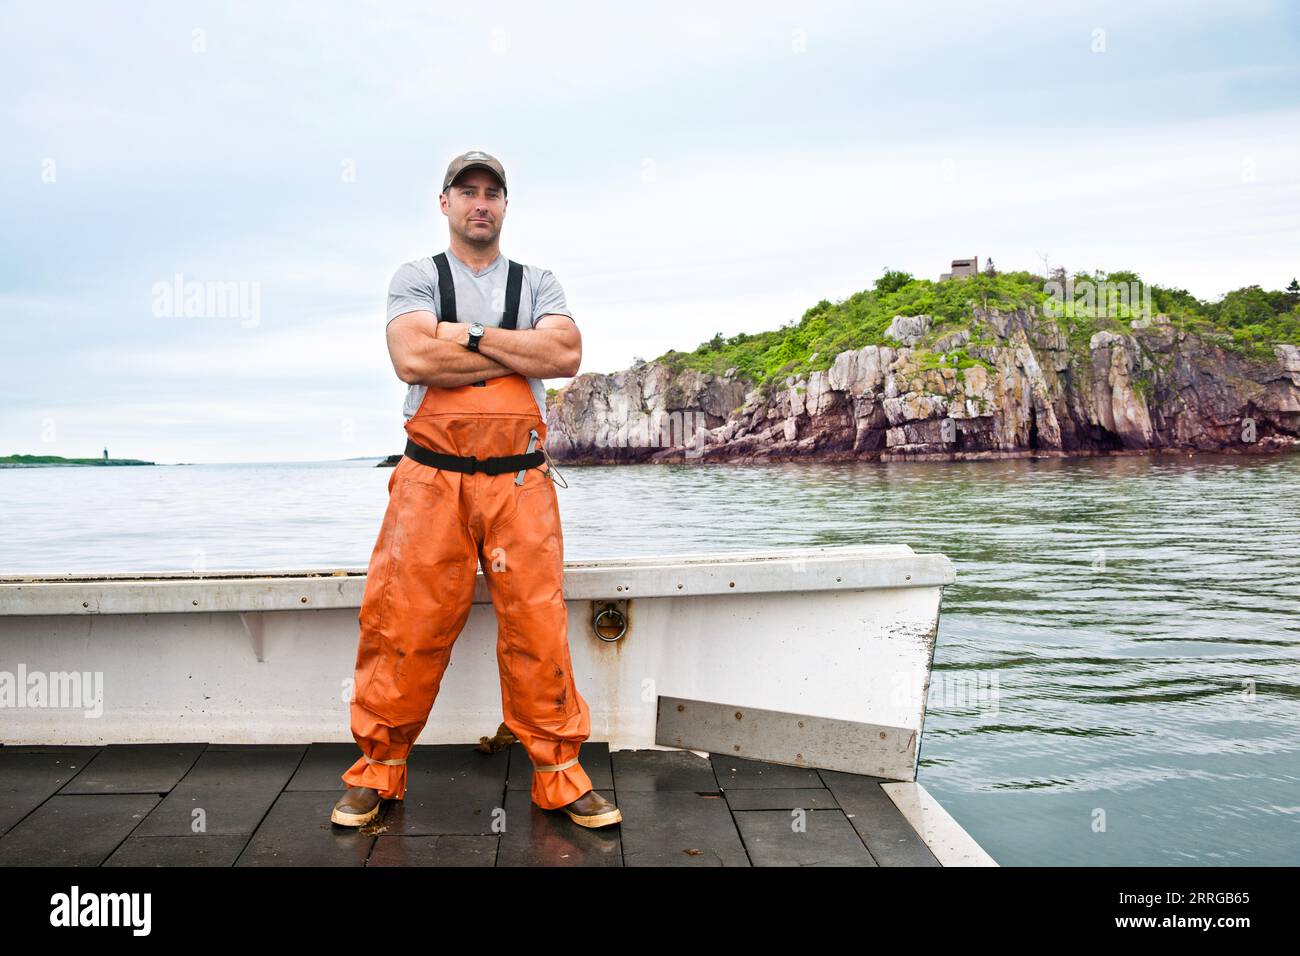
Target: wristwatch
{"points": [[475, 333]]}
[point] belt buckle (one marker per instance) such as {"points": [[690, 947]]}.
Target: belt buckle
{"points": [[473, 465]]}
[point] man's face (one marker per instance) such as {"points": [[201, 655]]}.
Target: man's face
{"points": [[475, 206]]}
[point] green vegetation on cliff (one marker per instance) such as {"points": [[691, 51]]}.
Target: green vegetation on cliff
{"points": [[1247, 321]]}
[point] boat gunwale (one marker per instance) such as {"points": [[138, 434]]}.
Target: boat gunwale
{"points": [[726, 557], [691, 575]]}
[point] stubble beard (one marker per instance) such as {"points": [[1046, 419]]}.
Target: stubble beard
{"points": [[479, 239]]}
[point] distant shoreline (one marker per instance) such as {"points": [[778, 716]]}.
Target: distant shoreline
{"points": [[41, 461]]}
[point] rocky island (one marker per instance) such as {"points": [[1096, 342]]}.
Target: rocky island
{"points": [[979, 366]]}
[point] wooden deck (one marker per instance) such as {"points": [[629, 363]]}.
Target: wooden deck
{"points": [[196, 804]]}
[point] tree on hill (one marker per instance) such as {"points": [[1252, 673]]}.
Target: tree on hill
{"points": [[820, 308], [892, 280], [1251, 305]]}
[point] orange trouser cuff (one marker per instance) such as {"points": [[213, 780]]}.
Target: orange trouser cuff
{"points": [[386, 776], [553, 789]]}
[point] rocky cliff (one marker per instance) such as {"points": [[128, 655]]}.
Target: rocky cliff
{"points": [[1010, 384]]}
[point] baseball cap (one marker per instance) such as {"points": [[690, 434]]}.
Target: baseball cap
{"points": [[475, 158]]}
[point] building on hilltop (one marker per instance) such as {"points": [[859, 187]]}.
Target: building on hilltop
{"points": [[962, 268]]}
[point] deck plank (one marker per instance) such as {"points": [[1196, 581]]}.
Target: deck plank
{"points": [[662, 770], [297, 832], [82, 752], [233, 788], [801, 838], [194, 849], [451, 849], [807, 798], [537, 837], [678, 828], [30, 776], [323, 766], [878, 821], [135, 768], [75, 830], [450, 788], [738, 773]]}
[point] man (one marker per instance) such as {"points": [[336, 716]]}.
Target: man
{"points": [[473, 488]]}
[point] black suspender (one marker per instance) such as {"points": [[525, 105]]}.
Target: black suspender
{"points": [[447, 292], [446, 289], [514, 285]]}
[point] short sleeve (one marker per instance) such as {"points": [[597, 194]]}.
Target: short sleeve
{"points": [[549, 299], [409, 291]]}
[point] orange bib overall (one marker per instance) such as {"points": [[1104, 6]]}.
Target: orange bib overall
{"points": [[440, 526]]}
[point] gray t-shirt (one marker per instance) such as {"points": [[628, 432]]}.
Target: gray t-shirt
{"points": [[480, 297]]}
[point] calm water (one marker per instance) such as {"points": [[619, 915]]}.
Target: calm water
{"points": [[1137, 618]]}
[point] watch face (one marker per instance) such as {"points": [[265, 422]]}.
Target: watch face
{"points": [[476, 329]]}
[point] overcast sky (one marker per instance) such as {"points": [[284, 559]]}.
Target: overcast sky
{"points": [[683, 169]]}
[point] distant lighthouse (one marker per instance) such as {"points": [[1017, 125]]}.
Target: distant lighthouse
{"points": [[105, 454]]}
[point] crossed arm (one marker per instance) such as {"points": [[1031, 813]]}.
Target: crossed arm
{"points": [[428, 352]]}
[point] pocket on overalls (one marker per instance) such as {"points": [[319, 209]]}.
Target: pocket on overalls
{"points": [[517, 500]]}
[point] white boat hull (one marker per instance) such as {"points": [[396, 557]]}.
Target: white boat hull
{"points": [[814, 657]]}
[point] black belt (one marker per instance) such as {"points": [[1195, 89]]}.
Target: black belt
{"points": [[469, 464]]}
